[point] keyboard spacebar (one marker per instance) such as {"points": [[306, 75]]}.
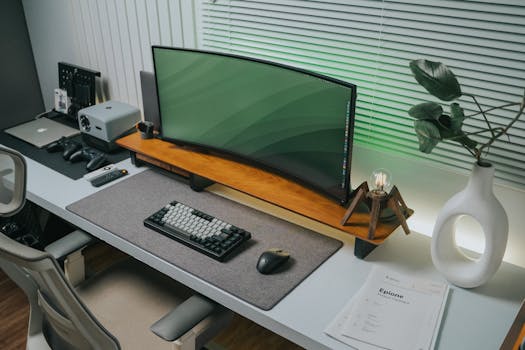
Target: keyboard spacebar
{"points": [[178, 230]]}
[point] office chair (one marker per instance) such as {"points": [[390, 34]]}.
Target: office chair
{"points": [[111, 310]]}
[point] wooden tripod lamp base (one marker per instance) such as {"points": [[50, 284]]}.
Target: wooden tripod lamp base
{"points": [[377, 201]]}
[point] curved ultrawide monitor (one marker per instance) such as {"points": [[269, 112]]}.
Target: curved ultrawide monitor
{"points": [[286, 120]]}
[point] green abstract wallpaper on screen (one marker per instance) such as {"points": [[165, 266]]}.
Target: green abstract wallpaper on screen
{"points": [[284, 119]]}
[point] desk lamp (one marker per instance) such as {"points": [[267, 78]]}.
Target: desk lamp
{"points": [[377, 200]]}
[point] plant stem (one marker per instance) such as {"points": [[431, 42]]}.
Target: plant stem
{"points": [[482, 113], [476, 133], [504, 131], [493, 108], [470, 151]]}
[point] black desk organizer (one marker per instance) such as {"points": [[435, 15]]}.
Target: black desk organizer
{"points": [[80, 85]]}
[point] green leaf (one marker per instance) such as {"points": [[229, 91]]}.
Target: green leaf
{"points": [[459, 137], [436, 78], [466, 141], [450, 127], [444, 122], [427, 134], [456, 117], [426, 110], [456, 123]]}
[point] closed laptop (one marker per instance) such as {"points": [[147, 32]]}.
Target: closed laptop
{"points": [[41, 132]]}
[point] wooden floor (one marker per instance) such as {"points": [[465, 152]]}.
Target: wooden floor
{"points": [[14, 312], [14, 315]]}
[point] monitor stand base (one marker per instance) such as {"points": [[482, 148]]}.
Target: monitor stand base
{"points": [[363, 248], [199, 183]]}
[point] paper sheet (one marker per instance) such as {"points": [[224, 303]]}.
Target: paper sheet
{"points": [[392, 311]]}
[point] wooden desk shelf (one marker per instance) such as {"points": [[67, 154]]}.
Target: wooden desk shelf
{"points": [[258, 183]]}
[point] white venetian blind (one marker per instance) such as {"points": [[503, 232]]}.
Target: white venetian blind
{"points": [[370, 44]]}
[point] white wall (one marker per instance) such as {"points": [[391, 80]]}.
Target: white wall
{"points": [[115, 36], [52, 39], [111, 36]]}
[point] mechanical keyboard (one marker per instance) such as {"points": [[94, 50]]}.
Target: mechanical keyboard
{"points": [[197, 230]]}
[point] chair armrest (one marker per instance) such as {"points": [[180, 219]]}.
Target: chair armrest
{"points": [[68, 244], [184, 317]]}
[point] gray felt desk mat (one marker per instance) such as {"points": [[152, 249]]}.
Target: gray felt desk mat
{"points": [[121, 209]]}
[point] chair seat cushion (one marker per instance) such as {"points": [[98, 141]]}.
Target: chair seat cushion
{"points": [[128, 297]]}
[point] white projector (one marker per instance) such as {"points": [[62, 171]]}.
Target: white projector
{"points": [[103, 123]]}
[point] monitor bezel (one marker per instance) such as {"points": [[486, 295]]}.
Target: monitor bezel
{"points": [[221, 152]]}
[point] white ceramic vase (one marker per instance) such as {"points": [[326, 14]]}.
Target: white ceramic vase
{"points": [[476, 200]]}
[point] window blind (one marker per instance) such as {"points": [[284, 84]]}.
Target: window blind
{"points": [[370, 43]]}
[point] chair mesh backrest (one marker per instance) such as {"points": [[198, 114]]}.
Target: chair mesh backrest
{"points": [[64, 312]]}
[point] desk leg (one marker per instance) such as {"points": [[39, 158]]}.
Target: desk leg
{"points": [[199, 183], [363, 248], [134, 160]]}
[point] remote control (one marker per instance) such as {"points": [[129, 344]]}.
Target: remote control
{"points": [[108, 177], [104, 170]]}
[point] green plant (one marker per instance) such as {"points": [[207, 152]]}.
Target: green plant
{"points": [[432, 125]]}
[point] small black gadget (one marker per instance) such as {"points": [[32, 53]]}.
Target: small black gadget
{"points": [[64, 144], [95, 158], [146, 129], [108, 177]]}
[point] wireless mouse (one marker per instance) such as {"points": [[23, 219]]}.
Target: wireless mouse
{"points": [[271, 259]]}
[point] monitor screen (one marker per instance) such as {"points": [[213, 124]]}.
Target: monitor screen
{"points": [[287, 120]]}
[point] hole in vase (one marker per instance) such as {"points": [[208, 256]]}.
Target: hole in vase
{"points": [[469, 237]]}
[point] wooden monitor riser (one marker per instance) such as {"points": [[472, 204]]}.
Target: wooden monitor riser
{"points": [[257, 183]]}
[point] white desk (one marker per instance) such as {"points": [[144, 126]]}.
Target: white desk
{"points": [[474, 319]]}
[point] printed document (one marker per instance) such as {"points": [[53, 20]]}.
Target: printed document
{"points": [[392, 311]]}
